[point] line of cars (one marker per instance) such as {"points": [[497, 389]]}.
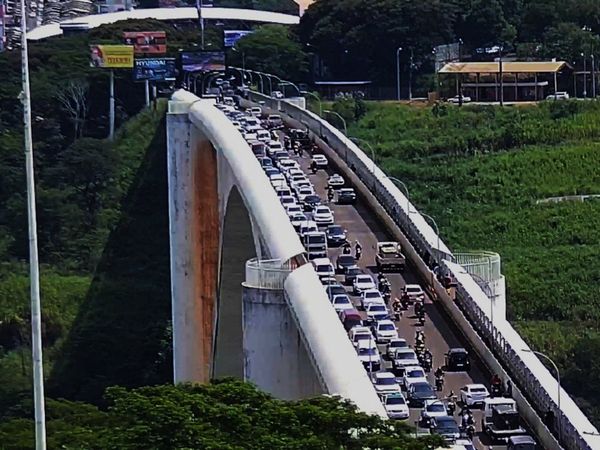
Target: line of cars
{"points": [[315, 224]]}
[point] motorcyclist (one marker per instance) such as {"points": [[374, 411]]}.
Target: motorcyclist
{"points": [[439, 372], [419, 337], [347, 248], [496, 385], [313, 167], [330, 194], [397, 308], [357, 250], [419, 308]]}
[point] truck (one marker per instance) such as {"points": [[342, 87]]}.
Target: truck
{"points": [[389, 257], [501, 419], [316, 244]]}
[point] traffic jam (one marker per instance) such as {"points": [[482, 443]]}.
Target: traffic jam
{"points": [[389, 320]]}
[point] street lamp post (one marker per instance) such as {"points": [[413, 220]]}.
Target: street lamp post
{"points": [[327, 111], [318, 99], [34, 269], [358, 141], [410, 69], [584, 75], [398, 50], [396, 180], [547, 358]]}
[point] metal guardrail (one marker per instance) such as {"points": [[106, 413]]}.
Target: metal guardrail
{"points": [[266, 273], [576, 431], [484, 265]]}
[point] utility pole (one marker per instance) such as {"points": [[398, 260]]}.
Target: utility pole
{"points": [[501, 78], [584, 75], [199, 5], [111, 106], [593, 76], [34, 274], [410, 69], [398, 50]]}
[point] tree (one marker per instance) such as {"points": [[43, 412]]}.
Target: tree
{"points": [[226, 414], [73, 98], [567, 41], [272, 49]]}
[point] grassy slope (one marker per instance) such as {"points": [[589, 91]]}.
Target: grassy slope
{"points": [[483, 195]]}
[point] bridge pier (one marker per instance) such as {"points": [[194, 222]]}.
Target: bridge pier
{"points": [[275, 357]]}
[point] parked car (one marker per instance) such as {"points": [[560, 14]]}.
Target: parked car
{"points": [[357, 334], [346, 196], [323, 267], [350, 318], [335, 289], [385, 383], [395, 406], [456, 99], [559, 95], [336, 235], [473, 394], [297, 219]]}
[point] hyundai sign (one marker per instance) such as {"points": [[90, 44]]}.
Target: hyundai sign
{"points": [[155, 69], [230, 37]]}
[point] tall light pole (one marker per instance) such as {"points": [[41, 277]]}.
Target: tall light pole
{"points": [[398, 50], [327, 111], [199, 5], [401, 183], [584, 75], [547, 358], [358, 141], [34, 274], [316, 97], [410, 69]]}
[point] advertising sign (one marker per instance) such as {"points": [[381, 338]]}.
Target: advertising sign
{"points": [[230, 37], [155, 69], [202, 61], [112, 56], [445, 54], [146, 42]]}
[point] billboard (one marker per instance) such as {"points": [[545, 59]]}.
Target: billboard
{"points": [[112, 56], [445, 54], [230, 37], [202, 61], [155, 69], [146, 42]]}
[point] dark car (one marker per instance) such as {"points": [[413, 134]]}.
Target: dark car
{"points": [[351, 274], [419, 392], [281, 154], [336, 235], [311, 202], [457, 360], [271, 170], [265, 161], [335, 289], [346, 196], [344, 263], [446, 427], [524, 442]]}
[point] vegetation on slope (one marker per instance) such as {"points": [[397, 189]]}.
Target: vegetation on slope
{"points": [[483, 193]]}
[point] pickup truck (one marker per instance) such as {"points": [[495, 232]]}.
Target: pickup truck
{"points": [[389, 257], [501, 419]]}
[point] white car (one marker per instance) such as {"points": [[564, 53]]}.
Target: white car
{"points": [[341, 302], [274, 146], [385, 383], [405, 357], [277, 94], [293, 209], [263, 135], [472, 394], [395, 406], [304, 192], [293, 172], [297, 219], [323, 267], [307, 227], [256, 111], [288, 164], [413, 374], [395, 343], [559, 95], [371, 297], [377, 312], [360, 333], [297, 185], [335, 181], [456, 99], [277, 178], [287, 200], [415, 293], [385, 331], [433, 408], [322, 215], [368, 355], [363, 283], [320, 161]]}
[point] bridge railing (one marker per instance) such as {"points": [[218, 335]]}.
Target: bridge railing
{"points": [[575, 430]]}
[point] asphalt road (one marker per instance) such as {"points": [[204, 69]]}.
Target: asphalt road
{"points": [[439, 336]]}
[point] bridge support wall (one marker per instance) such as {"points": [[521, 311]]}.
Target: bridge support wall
{"points": [[275, 358]]}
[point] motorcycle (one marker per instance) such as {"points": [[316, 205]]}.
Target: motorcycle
{"points": [[397, 311], [439, 383], [427, 363], [469, 431], [421, 320], [496, 390], [451, 405], [358, 254]]}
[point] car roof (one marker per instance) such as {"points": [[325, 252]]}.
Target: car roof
{"points": [[525, 439], [433, 402], [407, 368], [474, 385], [386, 322], [384, 375], [413, 286], [319, 261], [457, 350]]}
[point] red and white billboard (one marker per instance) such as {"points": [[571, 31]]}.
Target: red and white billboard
{"points": [[146, 42]]}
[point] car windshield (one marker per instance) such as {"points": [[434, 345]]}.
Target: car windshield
{"points": [[322, 210], [366, 279], [398, 344], [387, 326], [324, 268], [298, 217], [459, 357], [346, 259], [386, 381], [372, 294], [436, 407], [317, 239], [422, 387], [367, 351], [446, 424], [377, 308], [409, 355], [312, 199], [341, 300], [332, 290], [478, 390], [395, 401], [413, 290], [335, 230], [415, 374], [361, 336], [354, 271]]}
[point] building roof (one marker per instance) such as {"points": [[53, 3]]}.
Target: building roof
{"points": [[508, 66], [210, 13], [342, 83]]}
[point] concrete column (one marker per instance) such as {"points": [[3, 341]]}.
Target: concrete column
{"points": [[275, 358], [498, 288], [194, 243]]}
